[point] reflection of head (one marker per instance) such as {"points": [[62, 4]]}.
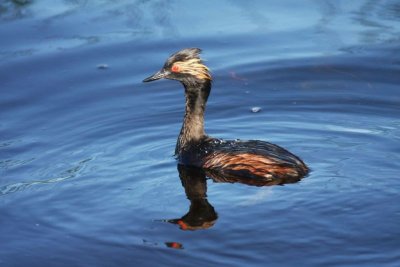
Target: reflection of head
{"points": [[201, 214]]}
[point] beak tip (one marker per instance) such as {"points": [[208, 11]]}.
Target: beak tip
{"points": [[149, 79], [156, 76]]}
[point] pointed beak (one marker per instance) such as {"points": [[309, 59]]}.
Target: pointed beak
{"points": [[158, 75]]}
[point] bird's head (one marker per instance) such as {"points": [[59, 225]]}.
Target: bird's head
{"points": [[185, 66]]}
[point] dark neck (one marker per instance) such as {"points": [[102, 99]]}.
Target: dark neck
{"points": [[193, 123]]}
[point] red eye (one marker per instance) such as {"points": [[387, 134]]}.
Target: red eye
{"points": [[175, 68]]}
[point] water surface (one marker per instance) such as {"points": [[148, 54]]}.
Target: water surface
{"points": [[87, 174]]}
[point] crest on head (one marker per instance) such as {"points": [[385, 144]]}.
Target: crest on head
{"points": [[188, 61], [185, 66]]}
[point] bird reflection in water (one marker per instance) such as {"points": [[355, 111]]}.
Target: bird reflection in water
{"points": [[201, 214]]}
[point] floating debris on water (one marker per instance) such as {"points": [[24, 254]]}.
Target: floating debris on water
{"points": [[102, 66], [255, 109]]}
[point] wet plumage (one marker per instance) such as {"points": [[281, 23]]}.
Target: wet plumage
{"points": [[253, 159]]}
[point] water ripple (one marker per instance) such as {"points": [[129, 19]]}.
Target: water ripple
{"points": [[70, 173]]}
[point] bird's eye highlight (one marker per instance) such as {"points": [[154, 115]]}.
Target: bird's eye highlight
{"points": [[175, 68]]}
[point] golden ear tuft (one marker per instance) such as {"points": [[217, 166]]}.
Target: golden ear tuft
{"points": [[193, 67]]}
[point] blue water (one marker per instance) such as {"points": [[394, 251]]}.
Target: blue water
{"points": [[87, 174]]}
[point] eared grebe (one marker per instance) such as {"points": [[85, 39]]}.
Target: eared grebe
{"points": [[252, 159]]}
